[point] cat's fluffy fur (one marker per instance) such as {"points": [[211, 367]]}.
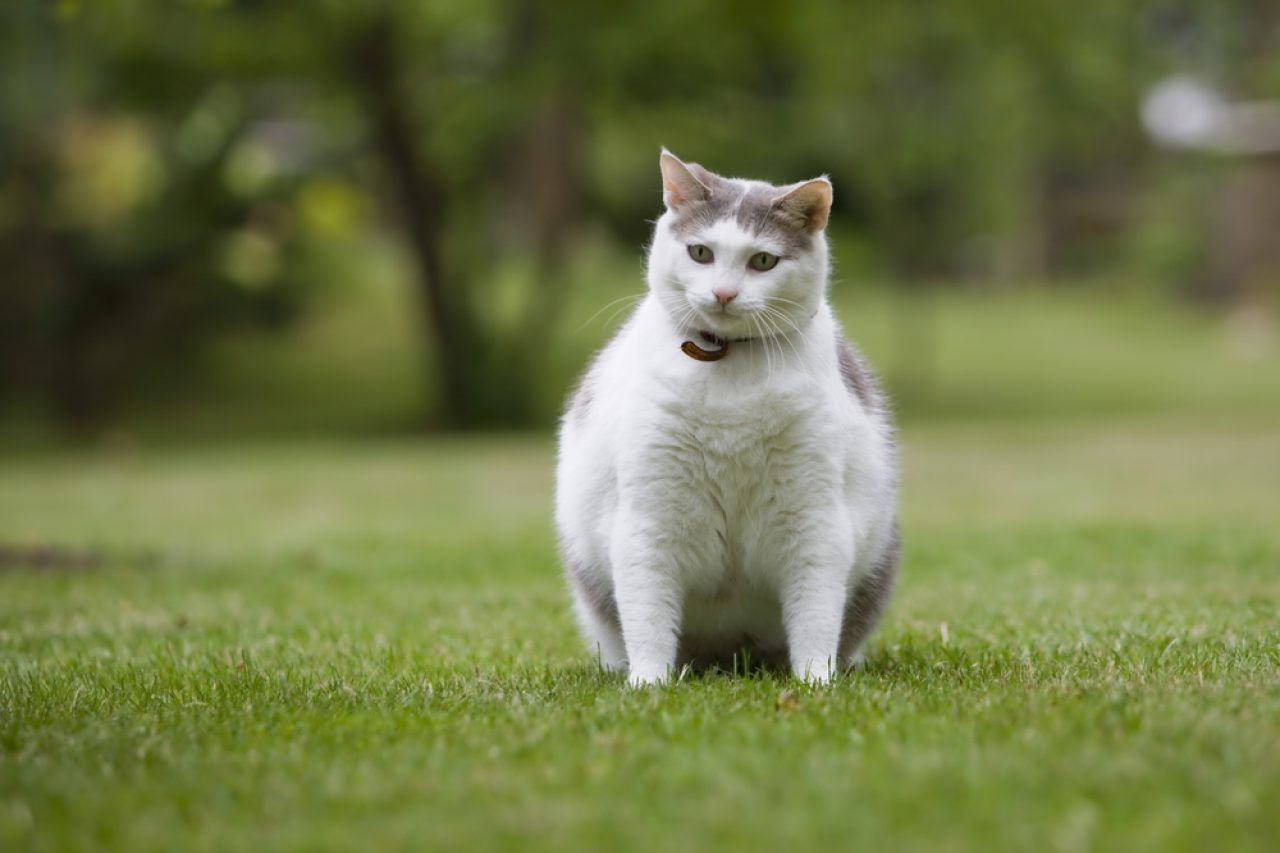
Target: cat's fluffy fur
{"points": [[742, 504]]}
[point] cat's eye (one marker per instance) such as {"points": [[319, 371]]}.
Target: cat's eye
{"points": [[762, 261], [701, 253]]}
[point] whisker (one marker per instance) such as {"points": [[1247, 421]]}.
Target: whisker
{"points": [[682, 320], [616, 312], [766, 346], [688, 313], [772, 327], [764, 338], [784, 300], [680, 310], [756, 331], [777, 318], [606, 307], [775, 332], [785, 316]]}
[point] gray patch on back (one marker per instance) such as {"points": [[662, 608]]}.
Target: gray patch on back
{"points": [[869, 599], [857, 376], [597, 591]]}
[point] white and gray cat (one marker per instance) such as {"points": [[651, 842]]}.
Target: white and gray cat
{"points": [[727, 477]]}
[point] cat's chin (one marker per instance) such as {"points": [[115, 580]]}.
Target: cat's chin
{"points": [[723, 324]]}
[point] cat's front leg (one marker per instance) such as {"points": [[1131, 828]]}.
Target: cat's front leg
{"points": [[813, 599], [649, 606]]}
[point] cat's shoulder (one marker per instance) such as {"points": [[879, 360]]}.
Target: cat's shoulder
{"points": [[586, 390]]}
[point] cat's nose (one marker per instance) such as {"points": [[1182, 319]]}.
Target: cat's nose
{"points": [[724, 295]]}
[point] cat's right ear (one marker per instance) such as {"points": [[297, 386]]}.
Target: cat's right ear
{"points": [[679, 186]]}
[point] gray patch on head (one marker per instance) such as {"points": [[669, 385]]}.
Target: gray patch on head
{"points": [[758, 213], [750, 203], [869, 599], [695, 215], [857, 375]]}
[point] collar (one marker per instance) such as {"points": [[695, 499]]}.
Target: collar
{"points": [[697, 353]]}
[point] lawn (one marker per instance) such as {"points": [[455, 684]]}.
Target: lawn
{"points": [[367, 645]]}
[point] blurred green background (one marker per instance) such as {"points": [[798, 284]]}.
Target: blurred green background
{"points": [[230, 220]]}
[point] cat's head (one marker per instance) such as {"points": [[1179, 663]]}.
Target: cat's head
{"points": [[738, 258]]}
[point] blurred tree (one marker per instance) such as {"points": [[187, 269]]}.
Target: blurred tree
{"points": [[135, 222], [521, 160], [162, 161]]}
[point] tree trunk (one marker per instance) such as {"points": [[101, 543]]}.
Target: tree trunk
{"points": [[376, 72]]}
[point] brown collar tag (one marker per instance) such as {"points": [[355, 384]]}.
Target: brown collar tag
{"points": [[697, 353]]}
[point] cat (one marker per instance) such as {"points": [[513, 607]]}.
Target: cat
{"points": [[727, 473]]}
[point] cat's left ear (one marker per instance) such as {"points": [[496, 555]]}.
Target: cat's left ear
{"points": [[679, 185], [806, 206]]}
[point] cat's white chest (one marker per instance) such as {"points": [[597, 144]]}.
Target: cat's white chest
{"points": [[738, 464], [742, 465]]}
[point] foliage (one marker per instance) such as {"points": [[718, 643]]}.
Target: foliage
{"points": [[175, 170]]}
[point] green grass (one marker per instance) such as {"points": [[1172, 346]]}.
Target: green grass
{"points": [[367, 645]]}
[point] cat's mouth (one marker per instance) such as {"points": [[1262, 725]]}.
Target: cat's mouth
{"points": [[722, 320], [725, 331]]}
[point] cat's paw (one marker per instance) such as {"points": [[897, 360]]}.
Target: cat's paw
{"points": [[856, 662], [648, 677], [814, 671]]}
